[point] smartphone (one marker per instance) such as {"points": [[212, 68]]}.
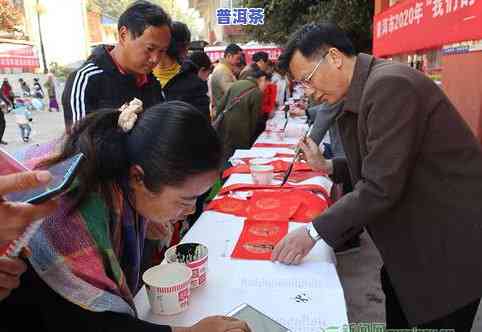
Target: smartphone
{"points": [[9, 165], [63, 173], [257, 321]]}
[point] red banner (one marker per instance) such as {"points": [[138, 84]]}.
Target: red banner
{"points": [[421, 24], [18, 62], [17, 56], [273, 53]]}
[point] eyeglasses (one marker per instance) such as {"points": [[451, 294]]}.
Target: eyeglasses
{"points": [[307, 80]]}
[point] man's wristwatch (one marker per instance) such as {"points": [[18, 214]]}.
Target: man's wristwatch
{"points": [[310, 229]]}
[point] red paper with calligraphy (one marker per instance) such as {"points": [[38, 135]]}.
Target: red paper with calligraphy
{"points": [[272, 205], [278, 166], [258, 239], [267, 205], [421, 24], [274, 145], [229, 205], [311, 206]]}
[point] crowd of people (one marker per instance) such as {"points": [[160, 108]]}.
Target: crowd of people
{"points": [[409, 167], [21, 105]]}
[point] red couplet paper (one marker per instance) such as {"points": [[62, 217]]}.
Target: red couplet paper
{"points": [[299, 176], [274, 145], [273, 205], [311, 206], [249, 187], [258, 239], [278, 166], [284, 155], [229, 205]]}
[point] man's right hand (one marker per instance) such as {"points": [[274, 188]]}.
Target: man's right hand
{"points": [[16, 216], [314, 156], [216, 324]]}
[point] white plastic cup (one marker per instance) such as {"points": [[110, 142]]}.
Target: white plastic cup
{"points": [[198, 263], [262, 174], [168, 288]]}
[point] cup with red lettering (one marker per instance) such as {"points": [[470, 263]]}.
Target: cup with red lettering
{"points": [[194, 256], [168, 288]]}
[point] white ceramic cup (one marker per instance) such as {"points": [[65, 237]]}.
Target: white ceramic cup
{"points": [[198, 263], [168, 288]]}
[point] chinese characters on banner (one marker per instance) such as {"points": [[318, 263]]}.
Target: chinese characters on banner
{"points": [[421, 24], [240, 16], [273, 53], [18, 62]]}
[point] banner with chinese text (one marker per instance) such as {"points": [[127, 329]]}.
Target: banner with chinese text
{"points": [[421, 24], [17, 56], [215, 53]]}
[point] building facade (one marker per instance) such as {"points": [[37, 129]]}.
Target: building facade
{"points": [[442, 38], [67, 29]]}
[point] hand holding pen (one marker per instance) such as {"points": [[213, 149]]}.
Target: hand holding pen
{"points": [[296, 156]]}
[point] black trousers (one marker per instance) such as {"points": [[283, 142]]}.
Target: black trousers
{"points": [[2, 124], [460, 320]]}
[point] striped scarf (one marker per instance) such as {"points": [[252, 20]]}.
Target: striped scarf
{"points": [[92, 256]]}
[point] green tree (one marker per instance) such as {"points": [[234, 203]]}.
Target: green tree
{"points": [[114, 8], [9, 16], [283, 17]]}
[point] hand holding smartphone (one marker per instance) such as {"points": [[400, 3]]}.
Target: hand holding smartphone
{"points": [[63, 173], [19, 184]]}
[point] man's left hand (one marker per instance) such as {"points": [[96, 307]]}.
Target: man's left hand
{"points": [[293, 247]]}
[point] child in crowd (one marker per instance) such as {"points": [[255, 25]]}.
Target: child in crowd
{"points": [[23, 117]]}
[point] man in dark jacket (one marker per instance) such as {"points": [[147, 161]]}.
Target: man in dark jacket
{"points": [[112, 77], [417, 174]]}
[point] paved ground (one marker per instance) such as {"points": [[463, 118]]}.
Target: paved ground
{"points": [[359, 272], [45, 127], [359, 275]]}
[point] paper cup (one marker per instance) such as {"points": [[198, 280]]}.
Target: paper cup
{"points": [[262, 174], [260, 161], [168, 288], [193, 255]]}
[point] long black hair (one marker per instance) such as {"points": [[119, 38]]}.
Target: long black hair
{"points": [[180, 39], [171, 141]]}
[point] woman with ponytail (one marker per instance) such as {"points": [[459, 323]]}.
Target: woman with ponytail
{"points": [[140, 168]]}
